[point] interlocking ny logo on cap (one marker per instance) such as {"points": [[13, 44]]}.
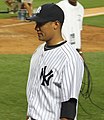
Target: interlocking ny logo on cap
{"points": [[38, 10]]}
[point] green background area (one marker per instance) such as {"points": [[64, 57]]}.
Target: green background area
{"points": [[97, 21], [92, 3], [13, 78]]}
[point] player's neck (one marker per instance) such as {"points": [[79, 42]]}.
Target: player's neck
{"points": [[73, 2], [55, 41]]}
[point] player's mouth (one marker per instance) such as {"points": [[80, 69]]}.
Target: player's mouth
{"points": [[39, 34]]}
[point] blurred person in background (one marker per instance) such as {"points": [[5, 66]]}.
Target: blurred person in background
{"points": [[72, 27], [13, 5], [27, 4]]}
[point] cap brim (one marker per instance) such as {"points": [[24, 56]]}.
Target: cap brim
{"points": [[37, 19]]}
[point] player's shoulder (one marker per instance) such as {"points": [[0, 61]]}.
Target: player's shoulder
{"points": [[41, 45], [67, 48], [39, 48], [70, 52], [80, 5]]}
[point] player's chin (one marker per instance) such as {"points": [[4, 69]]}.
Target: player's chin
{"points": [[41, 38]]}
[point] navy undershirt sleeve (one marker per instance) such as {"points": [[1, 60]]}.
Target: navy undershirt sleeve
{"points": [[68, 109]]}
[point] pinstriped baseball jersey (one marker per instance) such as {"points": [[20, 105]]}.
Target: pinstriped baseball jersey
{"points": [[55, 76]]}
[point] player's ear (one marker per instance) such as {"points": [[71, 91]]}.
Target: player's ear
{"points": [[56, 25]]}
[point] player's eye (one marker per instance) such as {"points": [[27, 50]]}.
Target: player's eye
{"points": [[40, 24]]}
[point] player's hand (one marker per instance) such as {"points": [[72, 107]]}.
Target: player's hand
{"points": [[27, 117], [66, 119], [81, 54]]}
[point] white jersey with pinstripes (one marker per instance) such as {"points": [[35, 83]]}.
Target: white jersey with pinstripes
{"points": [[55, 76]]}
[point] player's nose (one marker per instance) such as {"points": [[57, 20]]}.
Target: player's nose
{"points": [[37, 28]]}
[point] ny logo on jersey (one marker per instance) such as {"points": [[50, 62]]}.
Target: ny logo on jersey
{"points": [[45, 77]]}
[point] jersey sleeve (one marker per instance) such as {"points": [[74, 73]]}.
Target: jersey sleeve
{"points": [[72, 76], [68, 109]]}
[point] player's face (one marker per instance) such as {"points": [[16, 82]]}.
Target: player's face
{"points": [[44, 31]]}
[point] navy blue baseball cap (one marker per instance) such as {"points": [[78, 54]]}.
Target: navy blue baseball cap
{"points": [[48, 12]]}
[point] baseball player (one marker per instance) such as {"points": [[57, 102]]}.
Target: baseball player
{"points": [[9, 2], [28, 5], [56, 70], [13, 5], [72, 26]]}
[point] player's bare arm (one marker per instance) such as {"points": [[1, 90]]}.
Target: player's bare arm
{"points": [[27, 117], [66, 119]]}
